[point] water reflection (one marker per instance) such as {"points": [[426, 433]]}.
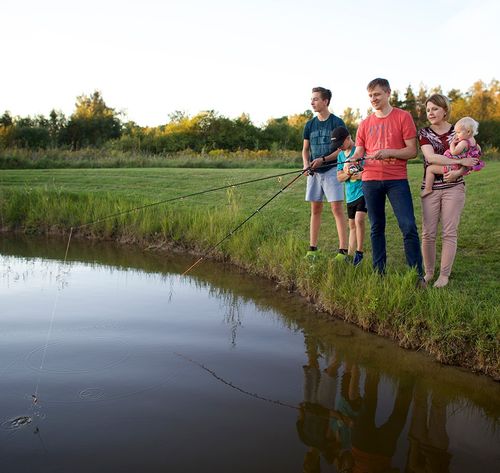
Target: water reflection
{"points": [[428, 439], [246, 372], [341, 425], [338, 422]]}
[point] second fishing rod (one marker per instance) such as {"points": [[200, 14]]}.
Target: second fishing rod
{"points": [[307, 170]]}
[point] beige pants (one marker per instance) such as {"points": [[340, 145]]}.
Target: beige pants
{"points": [[445, 205]]}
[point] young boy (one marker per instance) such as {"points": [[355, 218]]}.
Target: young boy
{"points": [[350, 174], [318, 154]]}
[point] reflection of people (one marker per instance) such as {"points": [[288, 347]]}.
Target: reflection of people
{"points": [[347, 406], [428, 451], [463, 145], [373, 447], [387, 137], [350, 174], [313, 424], [446, 202], [313, 428], [323, 183]]}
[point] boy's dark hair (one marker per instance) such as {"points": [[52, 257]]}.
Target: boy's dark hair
{"points": [[382, 83], [325, 93]]}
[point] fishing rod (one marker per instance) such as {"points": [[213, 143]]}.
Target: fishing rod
{"points": [[222, 240], [206, 191], [193, 194], [34, 396], [181, 197], [212, 248]]}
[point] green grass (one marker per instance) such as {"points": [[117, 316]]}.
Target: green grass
{"points": [[107, 157], [458, 324]]}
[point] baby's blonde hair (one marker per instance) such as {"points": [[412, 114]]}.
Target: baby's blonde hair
{"points": [[469, 124]]}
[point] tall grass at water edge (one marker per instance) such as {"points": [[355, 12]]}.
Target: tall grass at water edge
{"points": [[458, 325], [17, 158]]}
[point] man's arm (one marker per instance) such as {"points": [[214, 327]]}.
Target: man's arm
{"points": [[358, 154], [406, 153]]}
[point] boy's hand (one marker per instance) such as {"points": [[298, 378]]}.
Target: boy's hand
{"points": [[316, 163]]}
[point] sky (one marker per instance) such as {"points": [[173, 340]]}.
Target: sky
{"points": [[150, 58]]}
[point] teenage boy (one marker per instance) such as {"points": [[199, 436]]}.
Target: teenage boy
{"points": [[350, 174], [387, 140], [322, 182]]}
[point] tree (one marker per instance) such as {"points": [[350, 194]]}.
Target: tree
{"points": [[177, 116], [454, 95], [351, 119], [6, 119], [93, 122], [410, 103], [422, 96], [394, 100]]}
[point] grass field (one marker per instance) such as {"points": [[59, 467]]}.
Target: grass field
{"points": [[458, 324]]}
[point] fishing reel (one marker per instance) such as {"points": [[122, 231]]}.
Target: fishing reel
{"points": [[354, 168]]}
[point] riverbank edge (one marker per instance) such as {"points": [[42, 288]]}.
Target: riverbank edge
{"points": [[465, 356]]}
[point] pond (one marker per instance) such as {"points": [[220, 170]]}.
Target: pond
{"points": [[114, 362]]}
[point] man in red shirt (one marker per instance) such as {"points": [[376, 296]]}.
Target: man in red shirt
{"points": [[387, 139]]}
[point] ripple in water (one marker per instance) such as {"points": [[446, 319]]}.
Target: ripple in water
{"points": [[16, 423], [92, 394]]}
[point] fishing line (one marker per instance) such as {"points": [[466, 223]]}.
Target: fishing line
{"points": [[164, 201], [307, 170], [34, 396], [181, 197], [237, 388], [276, 402], [242, 223], [206, 191]]}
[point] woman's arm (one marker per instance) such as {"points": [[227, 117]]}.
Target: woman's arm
{"points": [[452, 176], [433, 158]]}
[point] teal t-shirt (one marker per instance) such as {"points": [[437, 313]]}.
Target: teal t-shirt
{"points": [[319, 134], [353, 189]]}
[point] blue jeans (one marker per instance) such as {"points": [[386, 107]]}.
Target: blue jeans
{"points": [[399, 195]]}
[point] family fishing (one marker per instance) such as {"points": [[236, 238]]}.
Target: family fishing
{"points": [[365, 172], [373, 168]]}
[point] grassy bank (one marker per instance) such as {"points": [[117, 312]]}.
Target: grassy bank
{"points": [[458, 325]]}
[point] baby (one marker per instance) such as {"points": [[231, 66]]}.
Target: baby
{"points": [[462, 146]]}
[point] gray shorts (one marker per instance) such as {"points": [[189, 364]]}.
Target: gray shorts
{"points": [[321, 185]]}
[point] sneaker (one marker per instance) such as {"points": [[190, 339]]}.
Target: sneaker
{"points": [[312, 256], [341, 257], [358, 257]]}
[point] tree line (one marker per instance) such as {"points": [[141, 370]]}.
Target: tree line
{"points": [[95, 124]]}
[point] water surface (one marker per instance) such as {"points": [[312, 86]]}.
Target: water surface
{"points": [[136, 368]]}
